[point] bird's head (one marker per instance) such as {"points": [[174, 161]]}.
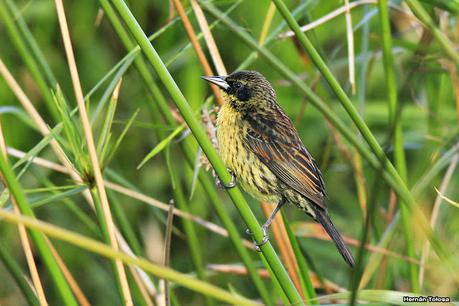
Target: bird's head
{"points": [[245, 90]]}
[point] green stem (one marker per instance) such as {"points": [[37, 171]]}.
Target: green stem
{"points": [[307, 286], [190, 230], [38, 239], [395, 122], [32, 44], [23, 51], [15, 270], [105, 234], [123, 224], [152, 56]]}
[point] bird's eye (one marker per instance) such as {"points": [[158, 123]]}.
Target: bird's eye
{"points": [[237, 85]]}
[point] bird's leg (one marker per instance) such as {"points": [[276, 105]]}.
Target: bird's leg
{"points": [[266, 225], [268, 222], [220, 184]]}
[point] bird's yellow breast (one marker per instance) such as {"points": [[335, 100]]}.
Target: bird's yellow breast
{"points": [[250, 172]]}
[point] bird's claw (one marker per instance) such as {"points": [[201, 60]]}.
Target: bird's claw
{"points": [[257, 246], [220, 184]]}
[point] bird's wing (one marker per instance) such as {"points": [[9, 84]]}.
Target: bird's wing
{"points": [[275, 141]]}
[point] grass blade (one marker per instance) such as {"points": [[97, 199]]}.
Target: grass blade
{"points": [[161, 146]]}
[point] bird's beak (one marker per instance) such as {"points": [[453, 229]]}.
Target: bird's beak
{"points": [[217, 80]]}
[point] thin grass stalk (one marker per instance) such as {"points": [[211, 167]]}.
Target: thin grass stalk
{"points": [[79, 295], [206, 182], [452, 69], [38, 239], [393, 174], [187, 113], [138, 62], [301, 8], [197, 47], [324, 19], [350, 46], [306, 282], [75, 209], [143, 291], [361, 95], [30, 260], [267, 23], [24, 238], [167, 250], [211, 45], [105, 233], [356, 277], [396, 125], [364, 62], [191, 235], [283, 245], [32, 44], [108, 120], [435, 170], [123, 224], [439, 35], [147, 283], [91, 148], [11, 265], [94, 246], [434, 216], [277, 286], [359, 181], [26, 56]]}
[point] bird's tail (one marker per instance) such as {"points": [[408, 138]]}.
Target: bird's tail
{"points": [[323, 218]]}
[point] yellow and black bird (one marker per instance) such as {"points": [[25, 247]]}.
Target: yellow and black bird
{"points": [[262, 149]]}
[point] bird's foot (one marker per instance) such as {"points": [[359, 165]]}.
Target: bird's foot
{"points": [[220, 184], [257, 246]]}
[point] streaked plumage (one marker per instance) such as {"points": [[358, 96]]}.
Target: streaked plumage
{"points": [[261, 146]]}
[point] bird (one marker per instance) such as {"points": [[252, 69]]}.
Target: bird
{"points": [[262, 150]]}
